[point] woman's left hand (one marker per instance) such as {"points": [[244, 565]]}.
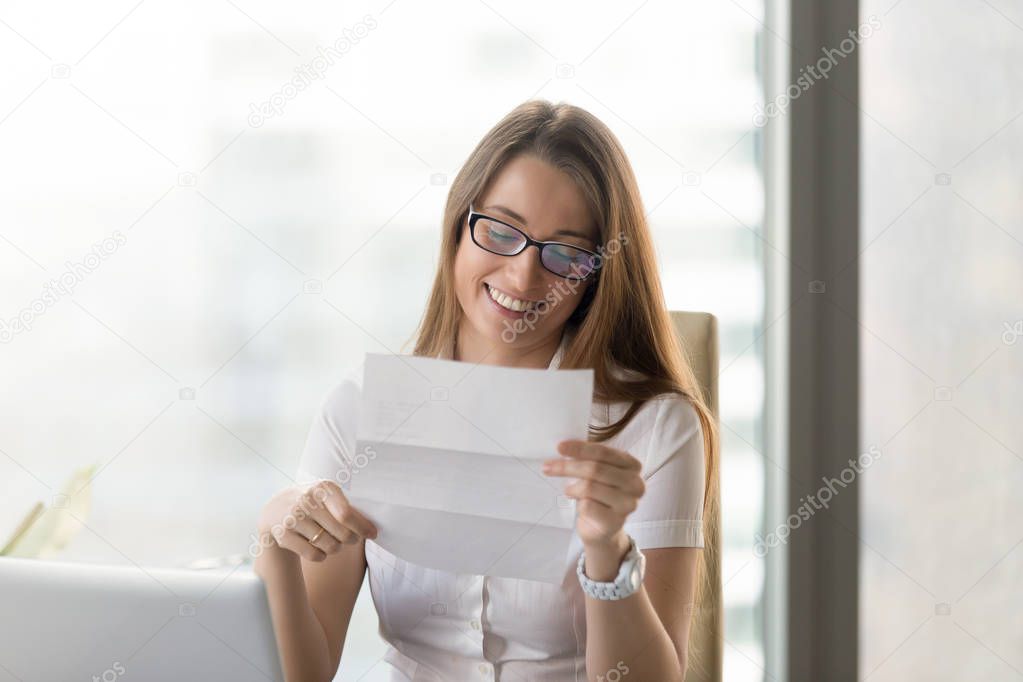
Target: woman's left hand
{"points": [[608, 490]]}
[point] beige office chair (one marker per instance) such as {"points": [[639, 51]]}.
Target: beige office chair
{"points": [[698, 333]]}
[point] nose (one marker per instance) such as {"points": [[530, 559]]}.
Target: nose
{"points": [[524, 270]]}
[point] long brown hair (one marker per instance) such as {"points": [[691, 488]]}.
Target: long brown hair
{"points": [[622, 319]]}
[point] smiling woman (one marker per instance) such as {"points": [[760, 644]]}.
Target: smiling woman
{"points": [[555, 178], [491, 288]]}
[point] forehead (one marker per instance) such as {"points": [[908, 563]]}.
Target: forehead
{"points": [[545, 197]]}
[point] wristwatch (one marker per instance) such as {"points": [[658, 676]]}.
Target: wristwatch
{"points": [[629, 579]]}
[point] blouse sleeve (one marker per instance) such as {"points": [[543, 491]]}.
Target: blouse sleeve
{"points": [[670, 513], [331, 438]]}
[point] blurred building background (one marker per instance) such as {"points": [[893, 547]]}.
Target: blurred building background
{"points": [[941, 535], [257, 258]]}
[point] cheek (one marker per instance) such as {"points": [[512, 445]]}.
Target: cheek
{"points": [[471, 266], [565, 300], [465, 266], [477, 263]]}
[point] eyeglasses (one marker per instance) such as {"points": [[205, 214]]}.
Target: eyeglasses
{"points": [[564, 260]]}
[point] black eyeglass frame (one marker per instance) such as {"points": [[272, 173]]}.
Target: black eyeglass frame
{"points": [[474, 217]]}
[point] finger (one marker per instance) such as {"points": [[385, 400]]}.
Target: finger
{"points": [[338, 516], [315, 501], [330, 544], [584, 450], [350, 517], [626, 479], [300, 520], [292, 541], [609, 496], [335, 530], [309, 529]]}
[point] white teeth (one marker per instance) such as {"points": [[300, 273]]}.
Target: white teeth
{"points": [[507, 301]]}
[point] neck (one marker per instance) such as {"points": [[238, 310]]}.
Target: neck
{"points": [[471, 347]]}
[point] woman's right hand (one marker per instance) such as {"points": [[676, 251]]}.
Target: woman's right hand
{"points": [[297, 514]]}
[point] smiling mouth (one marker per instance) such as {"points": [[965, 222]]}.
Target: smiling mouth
{"points": [[507, 302]]}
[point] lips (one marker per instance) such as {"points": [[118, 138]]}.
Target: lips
{"points": [[508, 301], [504, 304]]}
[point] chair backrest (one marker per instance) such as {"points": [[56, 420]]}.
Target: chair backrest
{"points": [[698, 333]]}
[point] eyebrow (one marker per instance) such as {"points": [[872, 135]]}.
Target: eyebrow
{"points": [[515, 216]]}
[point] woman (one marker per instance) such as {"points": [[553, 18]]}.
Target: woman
{"points": [[545, 173]]}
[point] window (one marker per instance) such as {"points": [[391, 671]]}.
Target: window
{"points": [[942, 259], [223, 236]]}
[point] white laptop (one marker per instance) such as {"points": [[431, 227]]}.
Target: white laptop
{"points": [[66, 621]]}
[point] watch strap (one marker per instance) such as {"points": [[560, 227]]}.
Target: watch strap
{"points": [[623, 585]]}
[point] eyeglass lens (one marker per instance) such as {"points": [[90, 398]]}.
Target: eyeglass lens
{"points": [[561, 259]]}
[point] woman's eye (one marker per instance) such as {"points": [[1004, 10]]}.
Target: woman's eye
{"points": [[560, 257], [568, 255], [502, 235]]}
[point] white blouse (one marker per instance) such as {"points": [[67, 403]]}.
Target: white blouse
{"points": [[443, 626]]}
